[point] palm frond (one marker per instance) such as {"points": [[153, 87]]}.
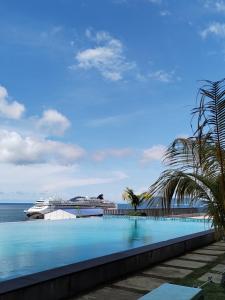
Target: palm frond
{"points": [[135, 200], [211, 120], [196, 165], [178, 186]]}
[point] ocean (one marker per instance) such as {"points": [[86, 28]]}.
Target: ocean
{"points": [[13, 212]]}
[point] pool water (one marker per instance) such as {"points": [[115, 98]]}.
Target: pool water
{"points": [[33, 246]]}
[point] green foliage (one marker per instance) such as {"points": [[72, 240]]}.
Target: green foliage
{"points": [[196, 165], [133, 199], [137, 214]]}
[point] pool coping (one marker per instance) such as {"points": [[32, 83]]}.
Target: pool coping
{"points": [[66, 281]]}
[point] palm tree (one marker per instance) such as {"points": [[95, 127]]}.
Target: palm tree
{"points": [[134, 199], [196, 165]]}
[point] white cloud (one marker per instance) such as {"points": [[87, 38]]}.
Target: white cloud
{"points": [[47, 179], [99, 36], [182, 136], [27, 182], [164, 13], [215, 5], [216, 29], [106, 56], [16, 149], [120, 1], [69, 182], [164, 76], [53, 122], [119, 153], [104, 121], [114, 120], [31, 167], [11, 110], [153, 153], [155, 1], [32, 164], [220, 6]]}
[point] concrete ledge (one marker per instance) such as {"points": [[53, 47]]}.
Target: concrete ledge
{"points": [[68, 281]]}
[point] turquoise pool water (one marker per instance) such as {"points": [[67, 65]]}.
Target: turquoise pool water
{"points": [[29, 247]]}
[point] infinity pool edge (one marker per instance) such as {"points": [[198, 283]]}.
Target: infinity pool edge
{"points": [[67, 281]]}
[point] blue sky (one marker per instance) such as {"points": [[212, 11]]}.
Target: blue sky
{"points": [[92, 92]]}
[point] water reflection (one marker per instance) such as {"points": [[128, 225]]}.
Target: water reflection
{"points": [[138, 234]]}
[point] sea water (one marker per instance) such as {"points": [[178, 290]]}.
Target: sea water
{"points": [[11, 212]]}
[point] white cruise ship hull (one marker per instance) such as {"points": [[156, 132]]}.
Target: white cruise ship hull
{"points": [[83, 207]]}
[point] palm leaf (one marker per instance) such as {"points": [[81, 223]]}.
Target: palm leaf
{"points": [[211, 120]]}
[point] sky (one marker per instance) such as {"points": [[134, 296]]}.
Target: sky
{"points": [[92, 92]]}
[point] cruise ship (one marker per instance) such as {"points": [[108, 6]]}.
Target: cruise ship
{"points": [[51, 204]]}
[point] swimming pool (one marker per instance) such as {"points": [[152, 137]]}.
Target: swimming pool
{"points": [[30, 247]]}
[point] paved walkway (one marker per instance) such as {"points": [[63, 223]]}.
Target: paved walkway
{"points": [[174, 270]]}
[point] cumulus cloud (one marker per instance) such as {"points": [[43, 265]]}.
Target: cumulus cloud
{"points": [[11, 110], [153, 153], [216, 29], [119, 153], [106, 56], [53, 122], [16, 149]]}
